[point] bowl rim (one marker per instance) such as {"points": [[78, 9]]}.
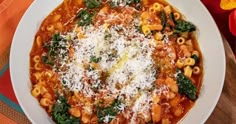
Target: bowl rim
{"points": [[210, 110]]}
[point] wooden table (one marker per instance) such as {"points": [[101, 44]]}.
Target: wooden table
{"points": [[225, 111]]}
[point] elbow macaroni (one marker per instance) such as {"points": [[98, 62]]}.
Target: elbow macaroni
{"points": [[157, 27], [50, 28], [177, 15], [45, 102], [36, 91], [188, 71], [167, 10], [146, 30], [37, 66], [189, 61], [180, 40], [179, 64], [36, 59], [157, 7], [196, 70], [39, 41]]}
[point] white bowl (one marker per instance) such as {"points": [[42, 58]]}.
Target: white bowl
{"points": [[209, 40]]}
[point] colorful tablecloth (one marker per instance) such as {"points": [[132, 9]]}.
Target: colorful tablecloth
{"points": [[10, 14]]}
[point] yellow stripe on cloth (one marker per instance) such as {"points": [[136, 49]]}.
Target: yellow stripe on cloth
{"points": [[12, 114]]}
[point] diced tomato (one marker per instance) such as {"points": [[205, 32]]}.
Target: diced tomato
{"points": [[232, 22]]}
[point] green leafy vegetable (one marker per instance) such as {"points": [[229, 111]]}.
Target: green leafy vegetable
{"points": [[133, 2], [91, 4], [195, 58], [111, 110], [54, 49], [172, 17], [184, 26], [139, 29], [56, 37], [90, 68], [186, 86], [85, 17], [95, 59], [46, 60], [55, 45], [60, 112], [163, 19], [107, 35]]}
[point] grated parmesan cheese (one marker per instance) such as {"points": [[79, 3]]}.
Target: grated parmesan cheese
{"points": [[127, 61]]}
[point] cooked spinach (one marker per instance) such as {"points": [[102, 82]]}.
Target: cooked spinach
{"points": [[195, 57], [91, 4], [163, 19], [186, 86], [111, 110], [172, 17], [46, 60], [139, 29], [85, 17], [107, 35], [95, 59], [60, 112], [56, 49], [135, 3], [55, 45], [90, 68], [56, 37], [184, 26]]}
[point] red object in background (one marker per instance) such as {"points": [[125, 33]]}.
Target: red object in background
{"points": [[232, 22], [221, 18], [6, 87]]}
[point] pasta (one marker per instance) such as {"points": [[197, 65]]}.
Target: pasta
{"points": [[196, 70], [146, 30], [157, 36], [155, 27], [45, 102], [56, 18], [116, 62], [179, 64], [177, 15], [180, 40], [75, 112], [167, 9], [36, 59], [50, 28], [39, 41], [37, 66], [188, 71], [189, 61], [152, 9], [36, 92], [157, 7]]}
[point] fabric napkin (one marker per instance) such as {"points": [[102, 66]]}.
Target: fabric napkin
{"points": [[11, 12]]}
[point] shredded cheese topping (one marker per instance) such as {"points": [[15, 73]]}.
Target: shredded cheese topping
{"points": [[125, 59]]}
